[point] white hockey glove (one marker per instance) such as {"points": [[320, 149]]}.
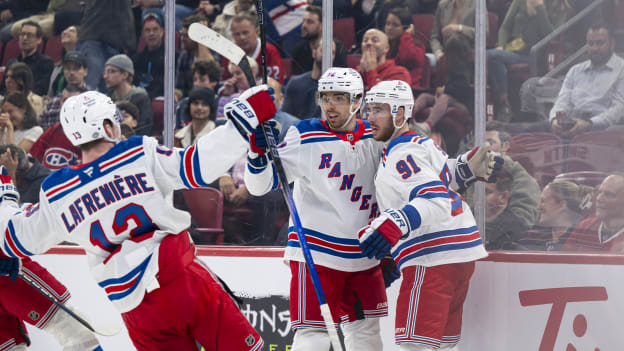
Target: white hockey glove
{"points": [[383, 233], [8, 191], [480, 163], [252, 108], [10, 266]]}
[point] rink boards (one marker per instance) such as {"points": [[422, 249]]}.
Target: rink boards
{"points": [[517, 301]]}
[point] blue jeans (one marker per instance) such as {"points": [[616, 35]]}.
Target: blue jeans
{"points": [[96, 53], [497, 68]]}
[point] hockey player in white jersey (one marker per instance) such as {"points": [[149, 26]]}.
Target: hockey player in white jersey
{"points": [[429, 229], [332, 162], [118, 207]]}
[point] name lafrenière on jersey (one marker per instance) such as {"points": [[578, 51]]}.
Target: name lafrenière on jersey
{"points": [[347, 184], [103, 195]]}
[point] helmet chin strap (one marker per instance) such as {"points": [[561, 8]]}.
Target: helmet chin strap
{"points": [[396, 128], [117, 139], [353, 112]]}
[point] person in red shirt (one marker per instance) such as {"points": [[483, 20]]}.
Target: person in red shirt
{"points": [[245, 34], [605, 231], [374, 67], [405, 50]]}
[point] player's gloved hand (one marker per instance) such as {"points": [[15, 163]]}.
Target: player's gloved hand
{"points": [[10, 266], [390, 271], [480, 164], [252, 108], [8, 191], [383, 233], [257, 141]]}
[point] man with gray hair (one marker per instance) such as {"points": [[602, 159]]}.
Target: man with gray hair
{"points": [[118, 75]]}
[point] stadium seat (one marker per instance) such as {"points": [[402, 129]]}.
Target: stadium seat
{"points": [[596, 151], [541, 154], [492, 33], [206, 208], [12, 50], [287, 66], [344, 30], [423, 24], [54, 48], [353, 60], [158, 108]]}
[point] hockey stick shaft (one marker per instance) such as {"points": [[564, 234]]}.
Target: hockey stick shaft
{"points": [[207, 37], [62, 306]]}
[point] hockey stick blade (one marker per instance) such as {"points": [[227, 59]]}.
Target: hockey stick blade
{"points": [[223, 46], [108, 329]]}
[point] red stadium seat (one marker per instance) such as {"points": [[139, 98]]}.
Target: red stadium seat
{"points": [[541, 154], [158, 108], [353, 60], [423, 24], [344, 30], [597, 151], [54, 48], [287, 66], [206, 208]]}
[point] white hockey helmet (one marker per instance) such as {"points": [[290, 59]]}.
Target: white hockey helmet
{"points": [[395, 93], [82, 117], [342, 80]]}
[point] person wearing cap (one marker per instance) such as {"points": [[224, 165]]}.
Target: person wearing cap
{"points": [[202, 107], [118, 75], [72, 71], [149, 64]]}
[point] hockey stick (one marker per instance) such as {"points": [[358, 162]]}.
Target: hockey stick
{"points": [[207, 37], [104, 330]]}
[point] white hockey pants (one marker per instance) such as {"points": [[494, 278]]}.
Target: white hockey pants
{"points": [[72, 335], [361, 335]]}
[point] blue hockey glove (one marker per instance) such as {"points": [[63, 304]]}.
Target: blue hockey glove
{"points": [[252, 108], [10, 266], [383, 233], [258, 143], [8, 191], [480, 164], [390, 271]]}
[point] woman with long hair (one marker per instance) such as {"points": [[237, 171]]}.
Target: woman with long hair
{"points": [[19, 77], [405, 49], [18, 122]]}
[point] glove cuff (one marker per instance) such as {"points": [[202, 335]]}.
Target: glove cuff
{"points": [[256, 163]]}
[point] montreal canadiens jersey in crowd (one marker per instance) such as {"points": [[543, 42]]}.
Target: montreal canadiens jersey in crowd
{"points": [[119, 208], [333, 175], [413, 173]]}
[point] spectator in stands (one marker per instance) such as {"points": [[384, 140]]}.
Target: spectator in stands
{"points": [[14, 10], [46, 19], [183, 8], [223, 22], [374, 66], [52, 148], [311, 33], [191, 52], [40, 64], [500, 233], [149, 64], [205, 74], [453, 18], [118, 74], [51, 112], [605, 231], [592, 95], [202, 109], [210, 8], [69, 38], [233, 86], [129, 114], [300, 99], [106, 29], [285, 119], [72, 71], [19, 78], [245, 34], [453, 104], [526, 23], [405, 49], [561, 209], [26, 172], [18, 122]]}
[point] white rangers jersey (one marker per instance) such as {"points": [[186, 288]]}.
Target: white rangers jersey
{"points": [[119, 208], [413, 176], [333, 175]]}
